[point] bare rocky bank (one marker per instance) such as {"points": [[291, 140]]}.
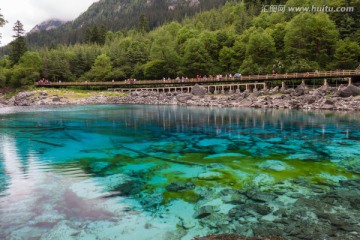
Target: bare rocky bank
{"points": [[345, 98]]}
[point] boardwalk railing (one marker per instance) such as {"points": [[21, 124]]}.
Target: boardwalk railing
{"points": [[267, 77]]}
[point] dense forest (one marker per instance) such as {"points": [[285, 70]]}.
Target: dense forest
{"points": [[241, 37]]}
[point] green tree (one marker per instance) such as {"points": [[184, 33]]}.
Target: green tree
{"points": [[57, 65], [347, 54], [18, 44], [96, 34], [5, 71], [28, 70], [311, 37], [101, 70], [260, 51], [196, 58], [225, 58], [156, 69], [163, 49], [143, 26]]}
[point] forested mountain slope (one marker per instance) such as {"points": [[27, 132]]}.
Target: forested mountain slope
{"points": [[118, 15]]}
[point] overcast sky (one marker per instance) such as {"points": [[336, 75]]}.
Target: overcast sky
{"points": [[33, 12]]}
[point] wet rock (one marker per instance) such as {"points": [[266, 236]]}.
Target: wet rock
{"points": [[56, 99], [177, 187]]}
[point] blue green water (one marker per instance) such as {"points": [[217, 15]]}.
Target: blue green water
{"points": [[103, 172]]}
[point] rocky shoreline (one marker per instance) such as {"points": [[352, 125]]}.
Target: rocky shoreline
{"points": [[344, 98]]}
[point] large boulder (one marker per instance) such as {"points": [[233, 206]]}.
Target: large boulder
{"points": [[348, 91], [301, 89], [198, 90]]}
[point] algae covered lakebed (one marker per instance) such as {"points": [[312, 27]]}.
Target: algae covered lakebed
{"points": [[168, 172]]}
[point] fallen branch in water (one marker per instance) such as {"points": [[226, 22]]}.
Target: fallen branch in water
{"points": [[161, 158], [48, 143]]}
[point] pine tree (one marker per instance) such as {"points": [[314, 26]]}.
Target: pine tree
{"points": [[2, 23], [19, 44]]}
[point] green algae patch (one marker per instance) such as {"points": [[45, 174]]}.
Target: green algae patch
{"points": [[229, 179], [194, 157], [310, 170], [187, 195]]}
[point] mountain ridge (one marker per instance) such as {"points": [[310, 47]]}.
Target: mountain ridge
{"points": [[48, 24]]}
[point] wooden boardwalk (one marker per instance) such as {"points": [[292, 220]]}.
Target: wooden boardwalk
{"points": [[208, 80]]}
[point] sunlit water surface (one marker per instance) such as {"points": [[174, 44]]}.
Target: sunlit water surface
{"points": [[105, 172]]}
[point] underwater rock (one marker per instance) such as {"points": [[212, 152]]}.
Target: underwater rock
{"points": [[177, 187], [260, 196], [152, 201], [218, 155], [186, 224], [122, 183], [312, 203], [267, 228], [295, 195], [210, 176], [238, 237], [204, 211], [63, 230], [354, 184], [234, 198], [249, 209], [274, 165], [97, 167], [263, 179]]}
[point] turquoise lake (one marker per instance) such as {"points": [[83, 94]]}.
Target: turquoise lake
{"points": [[167, 172]]}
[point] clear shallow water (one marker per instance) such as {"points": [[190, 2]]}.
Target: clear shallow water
{"points": [[146, 172]]}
